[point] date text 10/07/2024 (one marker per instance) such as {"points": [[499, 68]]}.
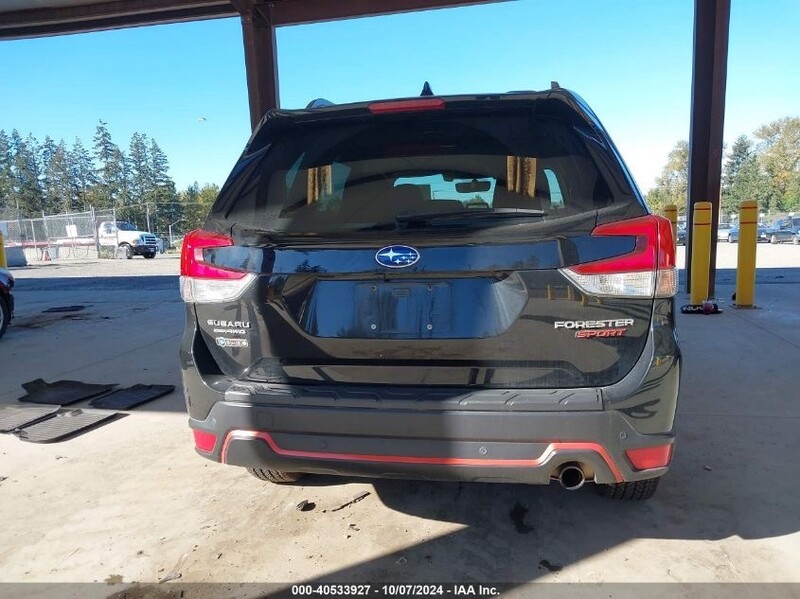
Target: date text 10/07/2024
{"points": [[394, 590]]}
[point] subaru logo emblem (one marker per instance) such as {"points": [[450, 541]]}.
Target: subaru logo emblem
{"points": [[397, 256]]}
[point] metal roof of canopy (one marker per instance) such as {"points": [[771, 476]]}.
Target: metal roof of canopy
{"points": [[36, 18]]}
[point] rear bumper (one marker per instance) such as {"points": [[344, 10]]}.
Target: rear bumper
{"points": [[476, 445]]}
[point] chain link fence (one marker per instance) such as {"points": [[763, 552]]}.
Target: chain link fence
{"points": [[71, 236], [90, 235]]}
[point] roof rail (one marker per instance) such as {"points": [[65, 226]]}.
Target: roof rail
{"points": [[320, 103]]}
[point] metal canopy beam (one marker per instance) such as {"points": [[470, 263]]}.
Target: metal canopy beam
{"points": [[79, 18], [709, 74], [261, 60], [297, 12]]}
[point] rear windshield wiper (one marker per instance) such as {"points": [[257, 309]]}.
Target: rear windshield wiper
{"points": [[483, 213]]}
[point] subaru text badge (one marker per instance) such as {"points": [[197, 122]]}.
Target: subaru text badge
{"points": [[397, 256]]}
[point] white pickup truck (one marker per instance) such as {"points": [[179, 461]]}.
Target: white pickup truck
{"points": [[128, 238]]}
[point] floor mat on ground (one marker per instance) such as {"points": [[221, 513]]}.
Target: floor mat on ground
{"points": [[12, 417], [125, 399], [66, 423], [61, 393]]}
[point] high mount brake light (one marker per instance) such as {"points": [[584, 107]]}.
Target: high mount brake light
{"points": [[413, 105], [647, 271], [206, 282]]}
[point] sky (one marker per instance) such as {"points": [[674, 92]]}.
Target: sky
{"points": [[184, 85]]}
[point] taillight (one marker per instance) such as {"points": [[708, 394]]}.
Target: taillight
{"points": [[645, 458], [647, 271], [204, 441], [206, 282], [412, 105]]}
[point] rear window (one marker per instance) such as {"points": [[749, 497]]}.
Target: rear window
{"points": [[362, 174]]}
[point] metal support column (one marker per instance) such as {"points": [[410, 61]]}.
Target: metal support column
{"points": [[709, 73], [260, 56]]}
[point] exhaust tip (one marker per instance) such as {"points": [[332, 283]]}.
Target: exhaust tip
{"points": [[571, 477]]}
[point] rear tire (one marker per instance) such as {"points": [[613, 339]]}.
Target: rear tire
{"points": [[730, 239], [796, 239], [279, 477], [637, 490], [128, 251], [773, 239]]}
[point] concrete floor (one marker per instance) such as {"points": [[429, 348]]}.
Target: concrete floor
{"points": [[130, 501]]}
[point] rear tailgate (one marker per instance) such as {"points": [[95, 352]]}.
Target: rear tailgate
{"points": [[319, 284]]}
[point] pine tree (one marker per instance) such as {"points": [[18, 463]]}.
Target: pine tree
{"points": [[82, 173], [190, 202], [110, 169], [164, 195], [744, 179], [58, 174], [140, 177], [51, 203], [7, 208], [27, 193]]}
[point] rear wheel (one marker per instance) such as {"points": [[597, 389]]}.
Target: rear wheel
{"points": [[5, 315], [128, 250], [637, 490], [773, 239], [276, 476], [730, 239], [796, 239]]}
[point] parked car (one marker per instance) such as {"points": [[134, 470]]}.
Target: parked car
{"points": [[6, 299], [761, 234], [723, 229], [681, 236], [783, 229], [466, 287]]}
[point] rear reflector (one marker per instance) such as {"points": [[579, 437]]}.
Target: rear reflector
{"points": [[645, 458], [647, 271], [206, 282], [204, 441], [413, 105]]}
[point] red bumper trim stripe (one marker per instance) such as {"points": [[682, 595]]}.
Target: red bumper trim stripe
{"points": [[551, 448]]}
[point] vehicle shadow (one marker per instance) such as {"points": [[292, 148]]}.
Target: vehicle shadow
{"points": [[723, 484]]}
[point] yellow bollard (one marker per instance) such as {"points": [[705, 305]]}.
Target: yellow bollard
{"points": [[3, 261], [746, 262], [701, 252], [671, 214]]}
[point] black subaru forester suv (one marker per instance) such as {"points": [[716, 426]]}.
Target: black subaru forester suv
{"points": [[465, 287]]}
